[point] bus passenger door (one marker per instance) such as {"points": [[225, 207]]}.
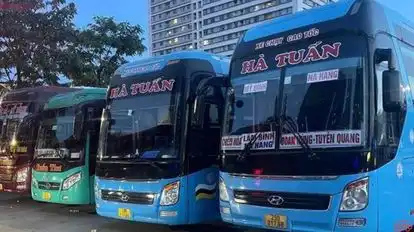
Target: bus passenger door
{"points": [[203, 148], [93, 124]]}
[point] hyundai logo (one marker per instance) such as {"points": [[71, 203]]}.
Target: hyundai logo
{"points": [[124, 197], [275, 200]]}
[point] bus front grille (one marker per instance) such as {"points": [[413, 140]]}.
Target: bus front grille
{"points": [[284, 200], [48, 185], [128, 197]]}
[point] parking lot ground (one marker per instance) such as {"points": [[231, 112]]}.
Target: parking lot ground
{"points": [[19, 213]]}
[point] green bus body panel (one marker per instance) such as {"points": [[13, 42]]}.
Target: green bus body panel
{"points": [[75, 98], [78, 194], [82, 192]]}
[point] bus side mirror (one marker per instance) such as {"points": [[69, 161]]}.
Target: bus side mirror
{"points": [[391, 91], [78, 125], [200, 97]]}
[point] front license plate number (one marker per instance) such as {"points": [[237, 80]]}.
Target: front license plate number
{"points": [[46, 196], [276, 221], [124, 213]]}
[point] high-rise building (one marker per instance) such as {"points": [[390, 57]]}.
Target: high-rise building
{"points": [[212, 25]]}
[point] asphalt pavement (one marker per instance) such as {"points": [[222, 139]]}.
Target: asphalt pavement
{"points": [[19, 213]]}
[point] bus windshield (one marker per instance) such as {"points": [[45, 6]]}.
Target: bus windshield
{"points": [[56, 135], [322, 101], [12, 116], [139, 127]]}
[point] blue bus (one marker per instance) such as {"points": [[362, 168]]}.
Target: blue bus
{"points": [[157, 159], [318, 131]]}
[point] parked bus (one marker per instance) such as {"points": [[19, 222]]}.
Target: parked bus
{"points": [[19, 122], [65, 156], [318, 132], [159, 140]]}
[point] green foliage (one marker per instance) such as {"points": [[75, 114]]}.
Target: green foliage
{"points": [[39, 43], [32, 38], [100, 49]]}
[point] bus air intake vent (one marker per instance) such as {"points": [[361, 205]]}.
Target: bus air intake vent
{"points": [[284, 200], [48, 185], [128, 197]]}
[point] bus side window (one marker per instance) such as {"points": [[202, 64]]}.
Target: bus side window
{"points": [[94, 121]]}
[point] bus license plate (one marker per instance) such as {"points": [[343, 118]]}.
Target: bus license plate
{"points": [[124, 213], [46, 196], [276, 221]]}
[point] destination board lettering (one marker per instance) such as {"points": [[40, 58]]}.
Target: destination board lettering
{"points": [[265, 141], [155, 86], [323, 139], [328, 75]]}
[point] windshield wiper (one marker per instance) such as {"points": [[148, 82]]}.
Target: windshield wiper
{"points": [[286, 120], [248, 147]]}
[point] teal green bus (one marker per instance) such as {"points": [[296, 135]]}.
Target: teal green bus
{"points": [[64, 161]]}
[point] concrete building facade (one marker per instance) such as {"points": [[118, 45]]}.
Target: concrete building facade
{"points": [[212, 25]]}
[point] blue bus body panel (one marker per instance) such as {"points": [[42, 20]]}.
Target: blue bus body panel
{"points": [[300, 19], [391, 189], [191, 208], [220, 64]]}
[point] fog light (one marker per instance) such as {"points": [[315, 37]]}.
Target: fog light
{"points": [[225, 210], [352, 222], [65, 198], [168, 213]]}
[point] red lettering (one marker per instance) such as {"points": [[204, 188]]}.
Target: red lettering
{"points": [[114, 93], [248, 66], [281, 59], [261, 64], [144, 87], [296, 57], [167, 85], [134, 89], [155, 87], [313, 53], [331, 50], [123, 92]]}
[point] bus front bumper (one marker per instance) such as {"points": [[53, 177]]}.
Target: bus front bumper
{"points": [[48, 187], [149, 211], [243, 214]]}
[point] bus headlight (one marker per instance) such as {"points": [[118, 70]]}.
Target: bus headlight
{"points": [[97, 191], [224, 196], [355, 196], [22, 175], [34, 183], [170, 194], [71, 180]]}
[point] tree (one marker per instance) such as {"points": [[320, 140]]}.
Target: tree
{"points": [[33, 38], [100, 49]]}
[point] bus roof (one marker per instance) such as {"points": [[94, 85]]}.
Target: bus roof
{"points": [[316, 15], [38, 94], [300, 19], [219, 63], [76, 97]]}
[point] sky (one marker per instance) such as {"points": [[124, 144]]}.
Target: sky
{"points": [[136, 12]]}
